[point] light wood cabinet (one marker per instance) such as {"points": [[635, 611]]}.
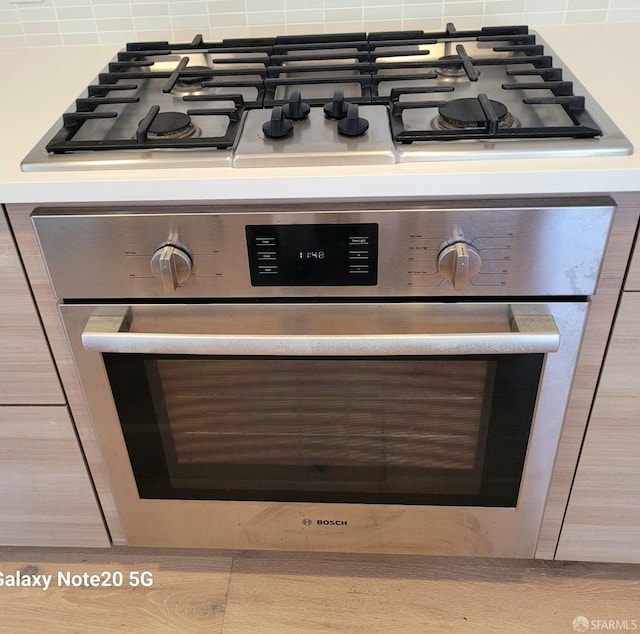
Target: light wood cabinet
{"points": [[632, 283], [27, 372], [602, 522], [46, 495]]}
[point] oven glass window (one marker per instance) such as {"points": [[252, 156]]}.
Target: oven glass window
{"points": [[399, 430]]}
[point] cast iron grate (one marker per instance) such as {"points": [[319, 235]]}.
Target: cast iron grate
{"points": [[263, 72]]}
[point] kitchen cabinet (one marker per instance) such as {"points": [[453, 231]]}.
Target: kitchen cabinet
{"points": [[602, 522], [27, 372], [46, 495], [632, 283]]}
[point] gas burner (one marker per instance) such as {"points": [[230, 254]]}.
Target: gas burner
{"points": [[192, 83], [449, 69], [172, 125], [465, 114]]}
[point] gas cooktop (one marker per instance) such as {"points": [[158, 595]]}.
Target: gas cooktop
{"points": [[340, 99]]}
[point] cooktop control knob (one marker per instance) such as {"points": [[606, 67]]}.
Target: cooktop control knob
{"points": [[172, 265], [353, 124], [336, 108], [296, 109], [459, 262], [278, 127]]}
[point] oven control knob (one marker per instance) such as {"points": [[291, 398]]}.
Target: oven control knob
{"points": [[172, 265], [459, 262]]}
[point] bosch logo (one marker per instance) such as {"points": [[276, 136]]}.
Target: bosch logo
{"points": [[307, 522]]}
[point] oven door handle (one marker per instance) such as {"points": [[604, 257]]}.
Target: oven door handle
{"points": [[528, 333]]}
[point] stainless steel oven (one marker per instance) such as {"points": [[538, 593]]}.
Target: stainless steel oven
{"points": [[352, 377]]}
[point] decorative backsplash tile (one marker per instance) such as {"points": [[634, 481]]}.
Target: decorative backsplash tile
{"points": [[76, 22]]}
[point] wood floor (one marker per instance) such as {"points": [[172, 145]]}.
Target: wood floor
{"points": [[264, 592]]}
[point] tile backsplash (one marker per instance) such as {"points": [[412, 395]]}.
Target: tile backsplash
{"points": [[78, 22]]}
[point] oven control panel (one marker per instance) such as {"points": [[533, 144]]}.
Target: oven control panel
{"points": [[324, 251], [313, 254]]}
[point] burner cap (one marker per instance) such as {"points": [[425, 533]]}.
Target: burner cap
{"points": [[170, 124], [190, 80], [448, 69], [468, 113]]}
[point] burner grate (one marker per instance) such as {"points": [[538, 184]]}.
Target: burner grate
{"points": [[66, 140], [584, 126]]}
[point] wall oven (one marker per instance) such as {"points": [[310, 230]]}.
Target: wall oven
{"points": [[373, 377]]}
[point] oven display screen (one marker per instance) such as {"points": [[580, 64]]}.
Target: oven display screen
{"points": [[313, 255]]}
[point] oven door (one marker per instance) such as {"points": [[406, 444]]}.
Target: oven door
{"points": [[392, 427]]}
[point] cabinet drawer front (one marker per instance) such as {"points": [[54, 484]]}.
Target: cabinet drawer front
{"points": [[632, 282], [46, 496], [603, 517], [27, 373]]}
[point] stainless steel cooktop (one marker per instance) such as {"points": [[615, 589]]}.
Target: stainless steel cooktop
{"points": [[340, 99]]}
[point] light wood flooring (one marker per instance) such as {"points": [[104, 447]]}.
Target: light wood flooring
{"points": [[265, 592]]}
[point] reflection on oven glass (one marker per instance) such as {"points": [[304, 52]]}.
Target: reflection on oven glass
{"points": [[328, 422]]}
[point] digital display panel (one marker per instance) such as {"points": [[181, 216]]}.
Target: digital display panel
{"points": [[313, 255]]}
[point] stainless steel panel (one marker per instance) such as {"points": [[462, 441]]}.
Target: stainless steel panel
{"points": [[315, 141], [525, 248]]}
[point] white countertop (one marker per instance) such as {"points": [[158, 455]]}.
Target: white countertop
{"points": [[61, 73]]}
